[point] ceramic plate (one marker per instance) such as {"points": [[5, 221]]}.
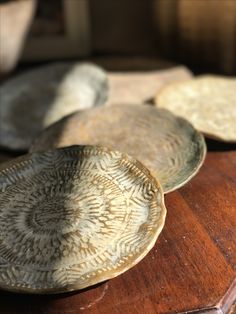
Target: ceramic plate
{"points": [[166, 144], [141, 87], [73, 217], [35, 99], [208, 102]]}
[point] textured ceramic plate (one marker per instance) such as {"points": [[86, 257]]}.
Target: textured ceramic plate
{"points": [[166, 144], [208, 102], [73, 217], [35, 99]]}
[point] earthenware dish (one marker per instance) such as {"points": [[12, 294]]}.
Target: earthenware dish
{"points": [[208, 102], [35, 99], [166, 144], [73, 217]]}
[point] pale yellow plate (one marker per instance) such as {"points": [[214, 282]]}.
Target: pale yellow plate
{"points": [[73, 217], [168, 145], [208, 102]]}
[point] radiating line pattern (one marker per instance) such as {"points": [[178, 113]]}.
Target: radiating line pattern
{"points": [[168, 145], [70, 218]]}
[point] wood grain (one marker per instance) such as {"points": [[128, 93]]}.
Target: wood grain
{"points": [[192, 267]]}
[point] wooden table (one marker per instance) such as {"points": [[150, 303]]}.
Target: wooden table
{"points": [[192, 267]]}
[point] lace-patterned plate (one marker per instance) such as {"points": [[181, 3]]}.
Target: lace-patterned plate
{"points": [[35, 99], [73, 217], [169, 146], [208, 102]]}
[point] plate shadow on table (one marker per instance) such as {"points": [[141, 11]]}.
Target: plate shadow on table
{"points": [[21, 303], [218, 146]]}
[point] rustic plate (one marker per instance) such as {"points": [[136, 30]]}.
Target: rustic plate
{"points": [[141, 87], [73, 217], [34, 100], [208, 102], [166, 144]]}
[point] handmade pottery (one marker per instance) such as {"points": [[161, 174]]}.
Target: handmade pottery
{"points": [[35, 99], [168, 145], [208, 102], [141, 87], [73, 217], [15, 20]]}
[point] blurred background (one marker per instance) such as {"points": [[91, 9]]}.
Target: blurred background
{"points": [[122, 35]]}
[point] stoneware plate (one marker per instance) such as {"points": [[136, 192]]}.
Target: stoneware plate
{"points": [[35, 99], [166, 144], [73, 217], [208, 102]]}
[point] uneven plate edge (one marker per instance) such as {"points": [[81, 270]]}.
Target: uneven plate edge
{"points": [[202, 157]]}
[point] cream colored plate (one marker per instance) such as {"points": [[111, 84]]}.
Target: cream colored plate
{"points": [[208, 102], [73, 217], [166, 144], [141, 87], [36, 99]]}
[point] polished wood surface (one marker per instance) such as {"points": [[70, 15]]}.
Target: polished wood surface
{"points": [[192, 267]]}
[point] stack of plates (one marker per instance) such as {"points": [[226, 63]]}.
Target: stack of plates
{"points": [[87, 202]]}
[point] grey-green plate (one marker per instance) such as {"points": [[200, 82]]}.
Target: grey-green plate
{"points": [[168, 145], [33, 100]]}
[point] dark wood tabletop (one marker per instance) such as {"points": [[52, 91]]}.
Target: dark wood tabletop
{"points": [[192, 267]]}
